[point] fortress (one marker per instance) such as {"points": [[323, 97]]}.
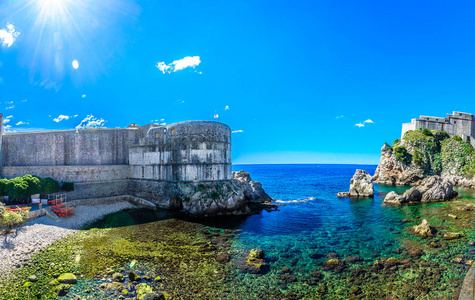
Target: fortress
{"points": [[165, 165], [458, 123]]}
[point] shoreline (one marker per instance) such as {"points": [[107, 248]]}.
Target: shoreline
{"points": [[16, 249]]}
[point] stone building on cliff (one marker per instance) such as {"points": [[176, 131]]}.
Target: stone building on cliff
{"points": [[185, 165], [458, 123]]}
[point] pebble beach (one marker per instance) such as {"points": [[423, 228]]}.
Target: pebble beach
{"points": [[17, 248]]}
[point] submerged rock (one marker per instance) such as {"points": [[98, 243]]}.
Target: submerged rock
{"points": [[142, 290], [423, 230], [361, 186], [255, 259], [334, 265], [451, 235], [68, 278]]}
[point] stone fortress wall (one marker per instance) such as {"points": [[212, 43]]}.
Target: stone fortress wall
{"points": [[458, 123], [144, 161]]}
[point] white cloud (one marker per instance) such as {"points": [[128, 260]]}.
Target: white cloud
{"points": [[8, 35], [226, 107], [8, 130], [177, 65], [339, 117], [5, 121], [21, 123], [91, 122], [359, 125], [10, 107], [368, 121], [237, 131], [9, 117], [60, 118]]}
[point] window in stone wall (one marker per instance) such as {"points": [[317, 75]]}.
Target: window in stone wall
{"points": [[427, 119], [173, 132], [157, 134], [455, 122], [436, 119]]}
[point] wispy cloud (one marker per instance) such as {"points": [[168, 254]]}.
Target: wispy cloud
{"points": [[362, 124], [5, 121], [60, 118], [237, 131], [226, 107], [9, 117], [177, 65], [8, 35], [8, 129], [339, 117], [21, 123], [10, 107], [91, 122]]}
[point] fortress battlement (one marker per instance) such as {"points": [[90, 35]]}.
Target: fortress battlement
{"points": [[144, 161], [458, 123]]}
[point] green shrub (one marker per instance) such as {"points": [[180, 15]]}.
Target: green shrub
{"points": [[49, 186], [457, 138], [11, 219], [401, 153], [426, 132], [67, 187], [417, 158], [396, 142]]}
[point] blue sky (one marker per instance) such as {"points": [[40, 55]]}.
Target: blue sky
{"points": [[295, 78]]}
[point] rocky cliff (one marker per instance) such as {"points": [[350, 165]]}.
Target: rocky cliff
{"points": [[423, 153], [222, 198]]}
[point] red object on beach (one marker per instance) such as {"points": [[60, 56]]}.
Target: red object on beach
{"points": [[64, 211], [24, 208], [55, 201], [60, 205]]}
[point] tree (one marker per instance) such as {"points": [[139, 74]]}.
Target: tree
{"points": [[11, 219], [49, 185], [34, 186], [67, 187]]}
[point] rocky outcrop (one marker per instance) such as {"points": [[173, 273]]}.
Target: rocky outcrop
{"points": [[220, 198], [431, 189], [361, 186], [391, 171], [213, 199], [253, 191]]}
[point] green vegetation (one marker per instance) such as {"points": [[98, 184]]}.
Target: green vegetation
{"points": [[49, 186], [11, 219], [435, 152], [67, 187], [401, 153], [396, 142]]}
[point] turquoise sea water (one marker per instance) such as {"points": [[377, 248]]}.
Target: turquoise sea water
{"points": [[313, 225]]}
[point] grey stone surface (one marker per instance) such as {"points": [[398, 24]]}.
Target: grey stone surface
{"points": [[431, 189], [253, 191]]}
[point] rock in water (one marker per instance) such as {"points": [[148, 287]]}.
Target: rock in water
{"points": [[431, 189], [361, 186], [435, 188], [423, 230], [253, 191]]}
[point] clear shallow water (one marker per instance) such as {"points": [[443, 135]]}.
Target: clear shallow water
{"points": [[313, 220]]}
